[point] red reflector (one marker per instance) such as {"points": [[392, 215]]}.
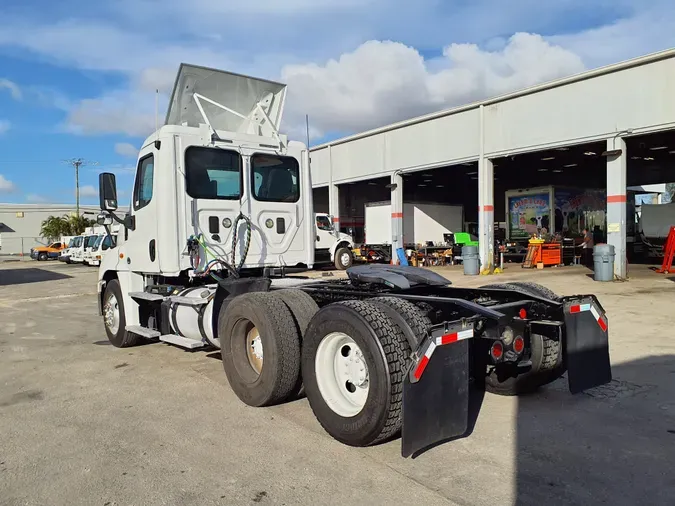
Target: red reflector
{"points": [[421, 366], [602, 324], [519, 344], [522, 314], [575, 309], [497, 350], [449, 338]]}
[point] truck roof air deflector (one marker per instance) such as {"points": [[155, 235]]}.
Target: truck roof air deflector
{"points": [[226, 101]]}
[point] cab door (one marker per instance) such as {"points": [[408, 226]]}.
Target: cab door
{"points": [[141, 246], [275, 208]]}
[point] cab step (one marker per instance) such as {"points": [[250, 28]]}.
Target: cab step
{"points": [[143, 331], [146, 296], [183, 342]]}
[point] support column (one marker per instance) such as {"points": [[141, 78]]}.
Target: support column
{"points": [[396, 216], [616, 204], [334, 204], [486, 212], [333, 193]]}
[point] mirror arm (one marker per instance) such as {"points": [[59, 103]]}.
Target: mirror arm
{"points": [[129, 222]]}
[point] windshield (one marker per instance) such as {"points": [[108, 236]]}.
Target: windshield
{"points": [[77, 241], [72, 242], [323, 223], [98, 242], [90, 241]]}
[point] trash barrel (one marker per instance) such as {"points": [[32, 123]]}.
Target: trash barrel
{"points": [[470, 260], [603, 262]]}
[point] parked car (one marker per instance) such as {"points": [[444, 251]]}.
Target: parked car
{"points": [[52, 250]]}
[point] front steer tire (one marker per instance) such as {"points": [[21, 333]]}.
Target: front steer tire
{"points": [[280, 370], [382, 344], [113, 296], [344, 258]]}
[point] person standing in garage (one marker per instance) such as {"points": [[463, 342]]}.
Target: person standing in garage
{"points": [[587, 247]]}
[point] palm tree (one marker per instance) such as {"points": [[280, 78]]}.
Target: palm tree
{"points": [[54, 227], [75, 224]]}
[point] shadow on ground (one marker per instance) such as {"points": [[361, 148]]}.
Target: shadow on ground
{"points": [[30, 275], [614, 444]]}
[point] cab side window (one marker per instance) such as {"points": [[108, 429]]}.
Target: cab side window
{"points": [[275, 178], [144, 182]]}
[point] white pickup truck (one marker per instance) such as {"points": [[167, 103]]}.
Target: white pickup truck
{"points": [[331, 244]]}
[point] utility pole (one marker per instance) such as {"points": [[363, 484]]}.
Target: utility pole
{"points": [[77, 163]]}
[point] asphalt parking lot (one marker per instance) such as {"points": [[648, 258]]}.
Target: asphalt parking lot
{"points": [[82, 422]]}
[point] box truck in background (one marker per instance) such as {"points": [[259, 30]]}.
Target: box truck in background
{"points": [[423, 223]]}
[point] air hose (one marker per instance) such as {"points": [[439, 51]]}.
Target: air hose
{"points": [[230, 266]]}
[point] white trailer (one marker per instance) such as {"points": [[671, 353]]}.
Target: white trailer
{"points": [[653, 228], [222, 204], [422, 222]]}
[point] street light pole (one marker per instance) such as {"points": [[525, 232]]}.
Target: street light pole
{"points": [[77, 163]]}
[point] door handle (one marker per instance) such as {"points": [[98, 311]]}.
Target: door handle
{"points": [[152, 250]]}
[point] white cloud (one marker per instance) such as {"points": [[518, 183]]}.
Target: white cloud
{"points": [[13, 88], [34, 198], [650, 30], [5, 125], [126, 149], [383, 82], [130, 112], [349, 77], [88, 191], [6, 186]]}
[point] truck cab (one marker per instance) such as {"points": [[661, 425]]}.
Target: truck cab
{"points": [[218, 193], [103, 244], [331, 244]]}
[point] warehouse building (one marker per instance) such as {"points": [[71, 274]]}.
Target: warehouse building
{"points": [[20, 224], [606, 129]]}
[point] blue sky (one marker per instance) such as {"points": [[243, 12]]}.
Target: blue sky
{"points": [[78, 79]]}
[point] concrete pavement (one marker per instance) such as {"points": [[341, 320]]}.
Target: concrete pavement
{"points": [[82, 422]]}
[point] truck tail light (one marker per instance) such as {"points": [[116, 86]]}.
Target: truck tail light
{"points": [[497, 350], [519, 344]]}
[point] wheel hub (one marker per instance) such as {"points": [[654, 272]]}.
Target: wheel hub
{"points": [[111, 315], [344, 258], [342, 374], [254, 349], [353, 366]]}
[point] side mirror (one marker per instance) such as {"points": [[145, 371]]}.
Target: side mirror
{"points": [[107, 191], [104, 219]]}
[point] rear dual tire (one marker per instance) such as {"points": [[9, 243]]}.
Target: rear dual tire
{"points": [[260, 347], [546, 353], [354, 359]]}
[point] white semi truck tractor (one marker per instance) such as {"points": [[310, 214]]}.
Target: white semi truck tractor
{"points": [[222, 205]]}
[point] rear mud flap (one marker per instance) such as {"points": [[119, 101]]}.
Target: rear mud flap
{"points": [[586, 345], [436, 390]]}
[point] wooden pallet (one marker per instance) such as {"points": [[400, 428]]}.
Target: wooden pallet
{"points": [[531, 256]]}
